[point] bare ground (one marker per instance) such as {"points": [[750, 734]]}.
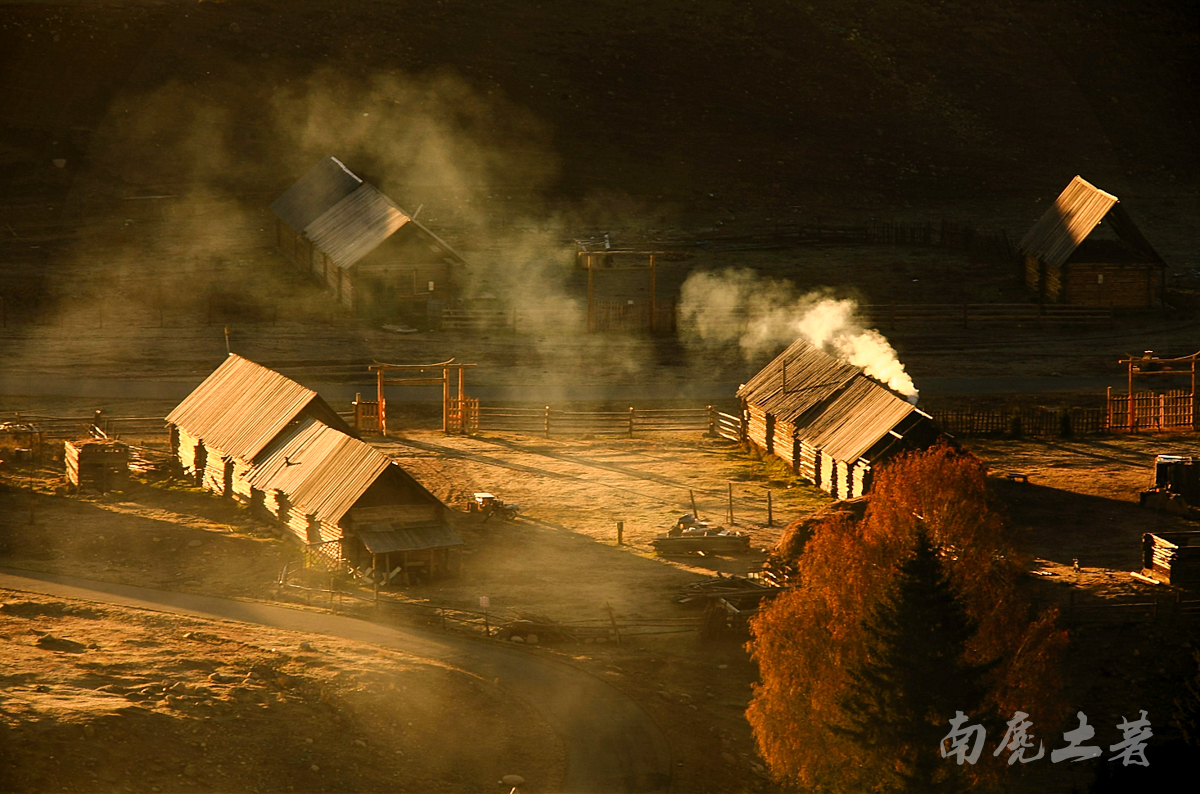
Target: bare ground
{"points": [[560, 561]]}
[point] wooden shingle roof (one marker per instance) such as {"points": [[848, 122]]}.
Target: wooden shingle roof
{"points": [[855, 420], [242, 406]]}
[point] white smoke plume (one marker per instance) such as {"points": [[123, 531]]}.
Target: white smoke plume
{"points": [[763, 314]]}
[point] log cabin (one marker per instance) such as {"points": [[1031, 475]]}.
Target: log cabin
{"points": [[1087, 250], [378, 260], [828, 421], [350, 504]]}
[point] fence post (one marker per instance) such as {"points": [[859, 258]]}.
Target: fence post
{"points": [[613, 619], [547, 421], [620, 533], [712, 421], [631, 421], [730, 503]]}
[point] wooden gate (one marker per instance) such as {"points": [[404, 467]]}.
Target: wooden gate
{"points": [[366, 415], [463, 416]]}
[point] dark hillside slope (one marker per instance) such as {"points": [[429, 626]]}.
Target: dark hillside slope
{"points": [[854, 100]]}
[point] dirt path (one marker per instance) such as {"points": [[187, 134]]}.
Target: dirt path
{"points": [[612, 745]]}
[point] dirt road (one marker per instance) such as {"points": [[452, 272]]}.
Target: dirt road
{"points": [[612, 745]]}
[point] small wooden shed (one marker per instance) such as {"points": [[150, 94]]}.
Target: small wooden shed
{"points": [[1087, 250], [829, 421], [350, 504], [377, 259], [222, 426], [101, 464]]}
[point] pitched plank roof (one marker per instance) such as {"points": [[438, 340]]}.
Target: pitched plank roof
{"points": [[856, 419], [356, 225], [832, 404], [323, 186], [1077, 211], [242, 406], [323, 471], [799, 378]]}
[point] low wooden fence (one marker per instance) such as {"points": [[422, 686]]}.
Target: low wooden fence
{"points": [[993, 244], [112, 312], [342, 596], [79, 426], [1028, 421], [985, 315], [726, 425], [1135, 609], [549, 421]]}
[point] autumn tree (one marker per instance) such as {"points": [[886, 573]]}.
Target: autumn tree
{"points": [[810, 638], [913, 673]]}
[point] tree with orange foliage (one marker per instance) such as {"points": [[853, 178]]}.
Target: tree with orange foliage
{"points": [[808, 641]]}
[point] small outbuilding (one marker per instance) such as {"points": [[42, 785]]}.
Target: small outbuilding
{"points": [[828, 421], [219, 429], [350, 504], [1087, 250], [377, 259]]}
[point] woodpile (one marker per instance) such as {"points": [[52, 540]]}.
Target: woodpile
{"points": [[102, 464], [1172, 558]]}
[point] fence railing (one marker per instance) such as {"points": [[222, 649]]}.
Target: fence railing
{"points": [[981, 315], [1173, 410], [1138, 609], [78, 426], [550, 421], [341, 596], [726, 425], [1027, 421]]}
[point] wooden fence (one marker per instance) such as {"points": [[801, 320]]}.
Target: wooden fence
{"points": [[1027, 421], [108, 312], [726, 425], [78, 426], [549, 421], [343, 596], [1133, 609], [1172, 410], [993, 244], [985, 315]]}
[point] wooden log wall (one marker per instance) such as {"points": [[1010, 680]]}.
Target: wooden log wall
{"points": [[1129, 286], [784, 444]]}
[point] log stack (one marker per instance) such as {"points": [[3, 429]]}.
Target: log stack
{"points": [[101, 464]]}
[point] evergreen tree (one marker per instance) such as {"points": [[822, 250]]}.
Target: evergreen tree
{"points": [[900, 698]]}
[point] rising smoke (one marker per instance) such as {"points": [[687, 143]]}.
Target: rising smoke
{"points": [[763, 314]]}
